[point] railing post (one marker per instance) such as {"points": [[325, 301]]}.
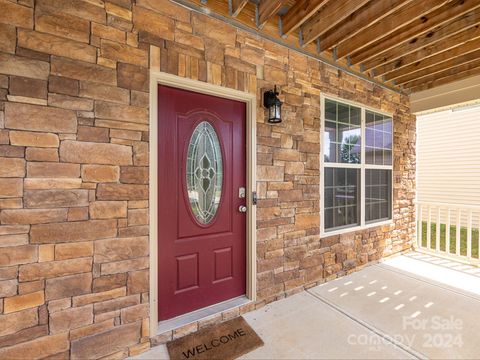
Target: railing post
{"points": [[419, 226], [469, 235], [457, 244], [437, 235], [429, 228]]}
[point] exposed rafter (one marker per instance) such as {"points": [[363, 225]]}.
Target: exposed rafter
{"points": [[356, 22], [459, 54], [464, 37], [403, 16], [417, 28], [299, 13], [237, 6], [267, 9], [443, 74], [447, 79], [329, 16], [442, 32]]}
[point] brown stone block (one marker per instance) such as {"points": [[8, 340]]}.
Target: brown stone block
{"points": [[61, 24], [132, 77], [126, 134], [114, 124], [118, 267], [99, 296], [108, 32], [122, 192], [10, 203], [213, 28], [41, 154], [50, 269], [134, 313], [72, 318], [290, 195], [70, 102], [66, 286], [73, 232], [8, 273], [22, 302], [106, 110], [82, 9], [82, 71], [138, 282], [140, 98], [63, 85], [27, 138], [52, 183], [8, 288], [106, 92], [124, 53], [108, 342], [14, 229], [133, 231], [77, 214], [11, 188], [11, 323], [12, 151], [11, 167], [39, 118], [108, 209], [92, 134], [17, 15], [8, 38], [28, 87], [306, 221], [4, 139], [95, 153], [23, 336], [116, 304], [120, 249], [153, 22], [30, 287], [13, 240], [38, 348], [137, 217], [55, 45], [73, 250], [134, 175], [27, 216], [22, 66], [167, 8], [109, 282], [140, 154], [55, 198], [100, 173], [16, 255], [270, 173]]}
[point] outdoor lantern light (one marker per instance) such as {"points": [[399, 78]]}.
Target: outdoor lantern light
{"points": [[274, 106]]}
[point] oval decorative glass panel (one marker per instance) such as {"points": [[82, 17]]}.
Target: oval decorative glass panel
{"points": [[204, 172]]}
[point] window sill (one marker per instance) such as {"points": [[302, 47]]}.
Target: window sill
{"points": [[355, 229]]}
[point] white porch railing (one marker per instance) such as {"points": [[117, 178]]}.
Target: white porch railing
{"points": [[449, 229]]}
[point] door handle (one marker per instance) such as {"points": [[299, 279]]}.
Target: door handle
{"points": [[242, 208]]}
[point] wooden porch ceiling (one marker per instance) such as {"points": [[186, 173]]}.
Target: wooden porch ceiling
{"points": [[405, 44]]}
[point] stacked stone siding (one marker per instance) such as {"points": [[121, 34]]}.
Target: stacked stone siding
{"points": [[74, 131]]}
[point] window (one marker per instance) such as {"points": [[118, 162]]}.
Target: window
{"points": [[356, 164]]}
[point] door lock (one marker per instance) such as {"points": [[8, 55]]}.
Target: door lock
{"points": [[241, 193], [242, 208]]}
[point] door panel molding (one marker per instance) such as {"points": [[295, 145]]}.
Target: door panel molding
{"points": [[160, 78]]}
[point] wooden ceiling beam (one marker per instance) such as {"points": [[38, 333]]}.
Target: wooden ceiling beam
{"points": [[402, 17], [439, 67], [442, 74], [457, 55], [439, 33], [446, 80], [267, 9], [451, 42], [418, 27], [237, 7], [356, 22], [299, 13], [328, 17]]}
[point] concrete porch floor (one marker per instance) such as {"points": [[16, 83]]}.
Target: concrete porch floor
{"points": [[410, 306]]}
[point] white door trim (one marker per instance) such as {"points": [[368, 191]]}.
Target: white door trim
{"points": [[157, 78]]}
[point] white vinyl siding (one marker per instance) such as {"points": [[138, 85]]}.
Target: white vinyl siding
{"points": [[448, 157]]}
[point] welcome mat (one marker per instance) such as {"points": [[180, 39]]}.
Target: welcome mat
{"points": [[227, 340]]}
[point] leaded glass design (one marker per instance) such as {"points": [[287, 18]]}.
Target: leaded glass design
{"points": [[204, 172]]}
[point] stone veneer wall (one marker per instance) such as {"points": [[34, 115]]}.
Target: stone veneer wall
{"points": [[74, 253]]}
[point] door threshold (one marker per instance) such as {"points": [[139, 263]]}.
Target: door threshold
{"points": [[191, 317]]}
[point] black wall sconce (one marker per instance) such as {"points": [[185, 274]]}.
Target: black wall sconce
{"points": [[274, 106]]}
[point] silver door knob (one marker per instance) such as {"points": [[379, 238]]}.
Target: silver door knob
{"points": [[242, 209]]}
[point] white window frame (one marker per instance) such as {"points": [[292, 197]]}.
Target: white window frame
{"points": [[362, 166]]}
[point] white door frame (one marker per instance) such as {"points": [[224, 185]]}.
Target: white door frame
{"points": [[157, 78]]}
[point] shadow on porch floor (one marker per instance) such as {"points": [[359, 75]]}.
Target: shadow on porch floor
{"points": [[410, 306]]}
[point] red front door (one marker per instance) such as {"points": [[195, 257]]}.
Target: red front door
{"points": [[201, 174]]}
